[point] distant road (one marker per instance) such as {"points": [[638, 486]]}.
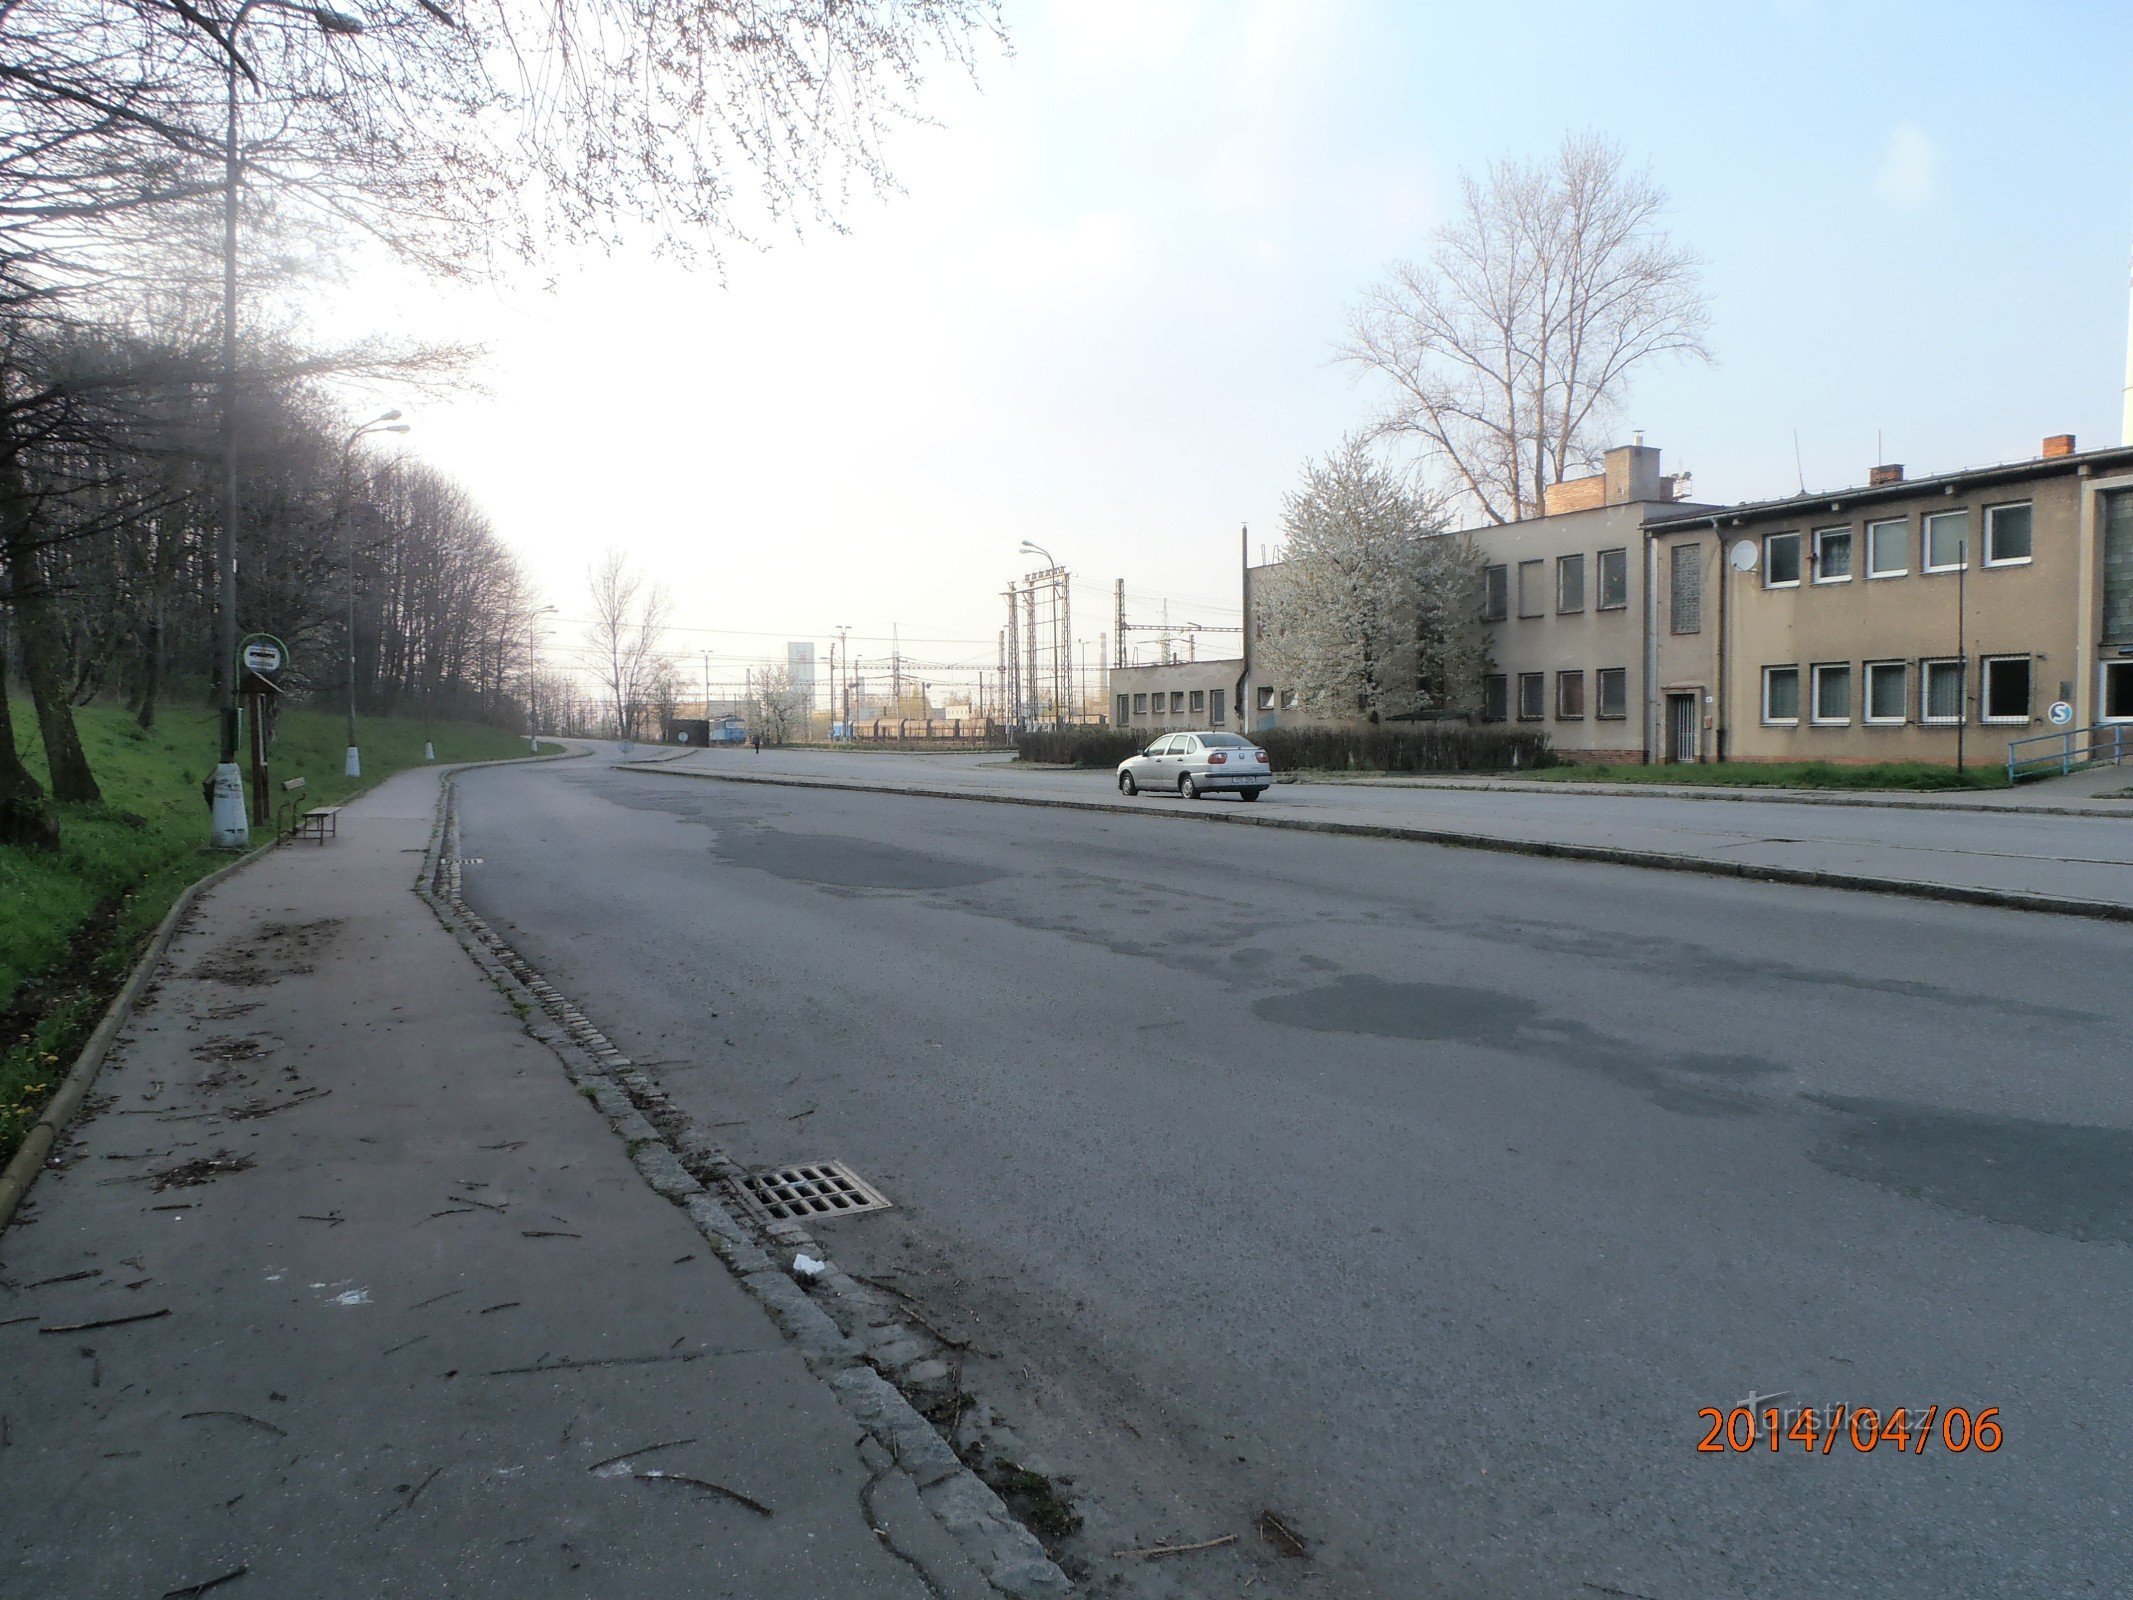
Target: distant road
{"points": [[2072, 857], [1422, 1195]]}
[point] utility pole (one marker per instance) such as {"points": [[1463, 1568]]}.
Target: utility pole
{"points": [[1063, 660], [1012, 682], [1118, 620], [1029, 649], [896, 665], [707, 687]]}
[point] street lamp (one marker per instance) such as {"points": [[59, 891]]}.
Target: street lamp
{"points": [[228, 826], [389, 422], [1030, 547], [533, 685]]}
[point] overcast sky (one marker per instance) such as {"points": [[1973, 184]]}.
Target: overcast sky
{"points": [[1101, 315]]}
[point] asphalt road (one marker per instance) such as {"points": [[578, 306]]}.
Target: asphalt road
{"points": [[2077, 857], [1422, 1195]]}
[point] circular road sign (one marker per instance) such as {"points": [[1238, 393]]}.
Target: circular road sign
{"points": [[2060, 713], [263, 655]]}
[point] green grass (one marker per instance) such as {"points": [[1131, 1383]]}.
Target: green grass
{"points": [[1913, 776], [72, 922]]}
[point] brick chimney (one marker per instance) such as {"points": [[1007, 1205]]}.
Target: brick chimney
{"points": [[1632, 474], [1892, 473], [2059, 444]]}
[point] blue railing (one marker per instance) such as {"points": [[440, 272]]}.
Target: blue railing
{"points": [[2097, 744]]}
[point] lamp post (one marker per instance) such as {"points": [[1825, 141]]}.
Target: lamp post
{"points": [[1062, 668], [229, 828], [389, 422], [533, 684]]}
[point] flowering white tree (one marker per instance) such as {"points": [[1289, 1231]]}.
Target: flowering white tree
{"points": [[1373, 611]]}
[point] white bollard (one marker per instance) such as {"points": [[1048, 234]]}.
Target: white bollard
{"points": [[228, 829], [429, 751], [354, 768]]}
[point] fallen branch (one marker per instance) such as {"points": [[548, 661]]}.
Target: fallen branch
{"points": [[72, 1277], [641, 1450], [1155, 1550], [734, 1495], [548, 1233], [261, 1109], [191, 1591], [606, 1361], [237, 1416], [1281, 1535], [107, 1322]]}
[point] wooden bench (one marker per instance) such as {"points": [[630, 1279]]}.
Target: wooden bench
{"points": [[315, 822]]}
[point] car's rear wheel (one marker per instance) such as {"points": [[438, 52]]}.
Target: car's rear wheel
{"points": [[1188, 788], [1250, 794], [1126, 785]]}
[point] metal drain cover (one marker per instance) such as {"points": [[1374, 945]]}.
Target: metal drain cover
{"points": [[812, 1189]]}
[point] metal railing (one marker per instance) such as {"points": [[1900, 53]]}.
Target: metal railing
{"points": [[2097, 744]]}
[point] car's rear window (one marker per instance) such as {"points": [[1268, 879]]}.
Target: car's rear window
{"points": [[1224, 741]]}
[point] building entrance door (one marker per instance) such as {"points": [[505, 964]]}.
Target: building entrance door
{"points": [[1682, 743]]}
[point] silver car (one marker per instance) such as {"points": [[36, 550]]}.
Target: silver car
{"points": [[1193, 764]]}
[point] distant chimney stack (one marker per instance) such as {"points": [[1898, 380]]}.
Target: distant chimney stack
{"points": [[2059, 444], [1892, 473]]}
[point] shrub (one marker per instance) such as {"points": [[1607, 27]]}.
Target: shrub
{"points": [[1077, 747], [1412, 747]]}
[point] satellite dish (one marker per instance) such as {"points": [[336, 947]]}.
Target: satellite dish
{"points": [[1742, 557]]}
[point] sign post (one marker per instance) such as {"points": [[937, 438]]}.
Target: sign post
{"points": [[260, 659]]}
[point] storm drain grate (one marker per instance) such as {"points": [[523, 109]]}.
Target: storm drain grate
{"points": [[813, 1189]]}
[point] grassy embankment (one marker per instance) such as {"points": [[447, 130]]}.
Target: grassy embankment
{"points": [[73, 922], [1914, 776]]}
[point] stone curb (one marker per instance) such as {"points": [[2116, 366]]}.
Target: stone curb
{"points": [[1807, 877], [1742, 795], [1009, 1556], [29, 1157]]}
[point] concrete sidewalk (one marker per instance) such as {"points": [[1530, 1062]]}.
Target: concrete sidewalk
{"points": [[2076, 864], [343, 1289]]}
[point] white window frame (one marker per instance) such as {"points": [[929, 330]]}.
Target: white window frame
{"points": [[1824, 533], [1518, 710], [1487, 680], [1197, 700], [1799, 559], [1792, 721], [1992, 515], [1925, 541], [1866, 699], [1873, 572], [1266, 698], [1600, 713], [1814, 688], [1926, 719], [1563, 679], [1125, 709], [1600, 600], [1289, 699], [1217, 707], [1984, 684], [1140, 704]]}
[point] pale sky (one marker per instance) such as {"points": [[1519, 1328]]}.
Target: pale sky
{"points": [[1102, 314]]}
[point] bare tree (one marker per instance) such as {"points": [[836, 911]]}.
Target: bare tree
{"points": [[1510, 348], [1372, 613], [629, 616]]}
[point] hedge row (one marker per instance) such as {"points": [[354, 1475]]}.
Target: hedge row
{"points": [[1413, 747], [1077, 747]]}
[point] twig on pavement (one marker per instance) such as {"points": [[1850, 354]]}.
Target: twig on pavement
{"points": [[106, 1322], [734, 1495], [237, 1416], [1154, 1550], [192, 1591], [641, 1450]]}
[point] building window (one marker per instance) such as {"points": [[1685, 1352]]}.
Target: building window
{"points": [[1217, 708], [2007, 536], [1532, 696], [1888, 548], [1495, 592], [1570, 696], [1888, 692], [1781, 695], [1529, 588], [1833, 555], [1140, 705], [1833, 693], [1495, 698], [1947, 541], [1569, 583], [1940, 699], [1614, 579], [1199, 699], [1125, 707], [2006, 688], [1613, 694], [1781, 561], [1177, 702], [1266, 699], [1687, 592]]}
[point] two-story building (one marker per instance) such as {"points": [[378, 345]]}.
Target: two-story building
{"points": [[1932, 619]]}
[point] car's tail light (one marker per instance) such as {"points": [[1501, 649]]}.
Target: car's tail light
{"points": [[1259, 756], [1216, 758]]}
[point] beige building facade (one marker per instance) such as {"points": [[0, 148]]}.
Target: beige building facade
{"points": [[1936, 620], [1179, 695]]}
